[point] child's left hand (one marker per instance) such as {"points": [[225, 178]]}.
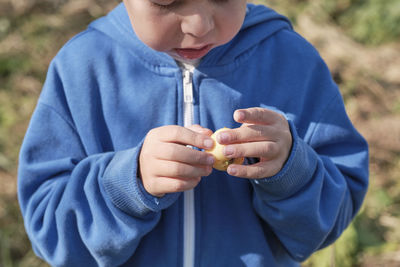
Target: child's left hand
{"points": [[264, 134]]}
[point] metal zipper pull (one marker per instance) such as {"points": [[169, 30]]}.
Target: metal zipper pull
{"points": [[188, 86]]}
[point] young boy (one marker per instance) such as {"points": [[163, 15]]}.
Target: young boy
{"points": [[113, 169]]}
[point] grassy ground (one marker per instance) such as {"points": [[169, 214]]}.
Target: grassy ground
{"points": [[365, 67]]}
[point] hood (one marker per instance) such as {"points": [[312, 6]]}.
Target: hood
{"points": [[260, 23]]}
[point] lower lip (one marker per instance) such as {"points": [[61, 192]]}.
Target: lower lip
{"points": [[190, 53]]}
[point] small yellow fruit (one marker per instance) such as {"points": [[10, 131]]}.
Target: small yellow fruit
{"points": [[221, 162]]}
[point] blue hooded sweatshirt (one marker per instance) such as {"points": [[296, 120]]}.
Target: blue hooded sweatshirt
{"points": [[81, 199]]}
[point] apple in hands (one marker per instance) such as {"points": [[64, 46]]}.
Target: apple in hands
{"points": [[221, 161]]}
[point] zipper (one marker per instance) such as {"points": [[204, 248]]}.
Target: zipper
{"points": [[187, 96], [188, 196]]}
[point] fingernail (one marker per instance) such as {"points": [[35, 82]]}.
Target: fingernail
{"points": [[239, 116], [210, 160], [232, 170], [223, 137], [208, 143], [228, 150]]}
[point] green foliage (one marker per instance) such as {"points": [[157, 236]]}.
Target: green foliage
{"points": [[342, 253], [368, 21], [375, 236], [13, 242], [12, 63]]}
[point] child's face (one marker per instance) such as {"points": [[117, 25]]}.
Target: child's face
{"points": [[186, 29]]}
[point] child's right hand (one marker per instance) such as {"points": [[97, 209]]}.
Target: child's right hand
{"points": [[168, 165]]}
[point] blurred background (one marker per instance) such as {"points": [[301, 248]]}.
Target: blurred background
{"points": [[359, 40]]}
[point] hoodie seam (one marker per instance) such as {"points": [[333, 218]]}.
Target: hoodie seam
{"points": [[153, 67], [156, 68], [240, 58], [70, 124]]}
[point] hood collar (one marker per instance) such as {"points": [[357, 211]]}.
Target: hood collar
{"points": [[260, 23]]}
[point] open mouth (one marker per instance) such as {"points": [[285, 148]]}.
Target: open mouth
{"points": [[193, 53]]}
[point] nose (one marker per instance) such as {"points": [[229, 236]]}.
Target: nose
{"points": [[198, 23]]}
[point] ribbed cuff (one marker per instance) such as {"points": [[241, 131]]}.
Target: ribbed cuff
{"points": [[126, 190], [296, 172]]}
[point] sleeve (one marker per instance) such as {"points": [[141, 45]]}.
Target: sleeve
{"points": [[310, 202], [79, 209]]}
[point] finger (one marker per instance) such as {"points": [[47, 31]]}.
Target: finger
{"points": [[184, 136], [257, 115], [268, 150], [183, 154], [255, 171], [199, 129], [248, 133], [181, 170], [164, 185]]}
